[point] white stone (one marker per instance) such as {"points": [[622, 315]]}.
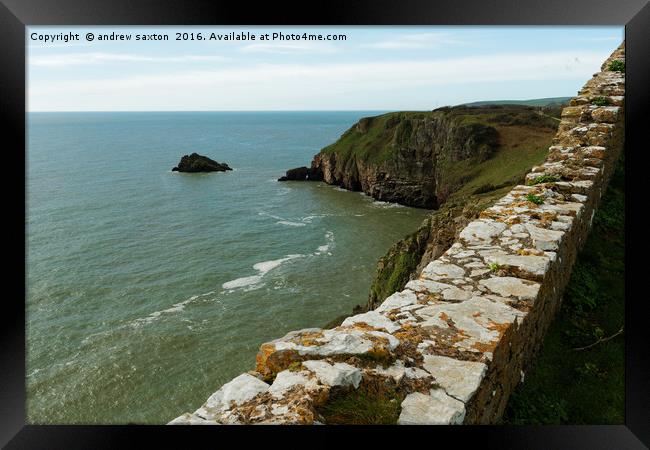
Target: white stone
{"points": [[398, 300], [393, 342], [287, 379], [475, 320], [535, 265], [457, 294], [374, 319], [416, 372], [239, 390], [437, 408], [517, 228], [464, 254], [566, 208], [551, 255], [543, 238], [561, 226], [481, 231], [338, 374], [396, 371], [511, 286], [437, 270], [460, 379], [333, 342], [279, 410], [192, 419]]}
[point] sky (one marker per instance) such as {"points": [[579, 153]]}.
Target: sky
{"points": [[373, 68]]}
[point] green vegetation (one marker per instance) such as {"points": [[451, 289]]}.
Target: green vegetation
{"points": [[534, 198], [507, 141], [616, 66], [370, 140], [494, 266], [401, 260], [295, 366], [579, 376], [544, 179], [601, 101], [520, 147], [363, 407]]}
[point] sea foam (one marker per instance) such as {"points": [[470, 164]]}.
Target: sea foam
{"points": [[262, 268], [176, 307]]}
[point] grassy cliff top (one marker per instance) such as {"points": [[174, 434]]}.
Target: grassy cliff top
{"points": [[375, 139]]}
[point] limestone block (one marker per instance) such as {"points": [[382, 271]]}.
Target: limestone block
{"points": [[337, 374], [512, 287], [459, 379], [287, 379], [437, 408], [482, 231], [374, 319], [437, 270], [398, 300], [241, 389], [192, 419]]}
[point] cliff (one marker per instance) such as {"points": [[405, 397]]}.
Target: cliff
{"points": [[419, 158]]}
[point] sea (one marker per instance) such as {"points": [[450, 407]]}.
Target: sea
{"points": [[148, 289]]}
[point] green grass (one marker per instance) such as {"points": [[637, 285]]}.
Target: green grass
{"points": [[521, 147], [493, 266], [398, 264], [600, 101], [567, 386], [544, 179], [360, 407], [536, 199], [616, 66], [374, 145]]}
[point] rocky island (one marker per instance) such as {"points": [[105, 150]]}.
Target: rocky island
{"points": [[198, 163], [302, 174]]}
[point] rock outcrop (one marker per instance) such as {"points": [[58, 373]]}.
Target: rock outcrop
{"points": [[302, 174], [454, 343], [199, 163]]}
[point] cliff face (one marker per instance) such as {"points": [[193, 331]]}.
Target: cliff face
{"points": [[402, 157]]}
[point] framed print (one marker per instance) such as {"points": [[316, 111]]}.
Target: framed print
{"points": [[368, 213]]}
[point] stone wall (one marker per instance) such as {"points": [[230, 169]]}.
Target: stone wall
{"points": [[455, 342]]}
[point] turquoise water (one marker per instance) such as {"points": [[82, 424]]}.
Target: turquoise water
{"points": [[147, 289]]}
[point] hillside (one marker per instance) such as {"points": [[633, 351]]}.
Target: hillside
{"points": [[421, 158]]}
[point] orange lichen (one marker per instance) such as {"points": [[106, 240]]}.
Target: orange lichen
{"points": [[529, 251]]}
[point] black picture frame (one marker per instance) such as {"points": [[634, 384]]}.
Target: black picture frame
{"points": [[15, 15]]}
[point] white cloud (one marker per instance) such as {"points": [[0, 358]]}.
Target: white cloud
{"points": [[416, 41], [601, 39], [304, 86], [79, 59], [294, 47]]}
